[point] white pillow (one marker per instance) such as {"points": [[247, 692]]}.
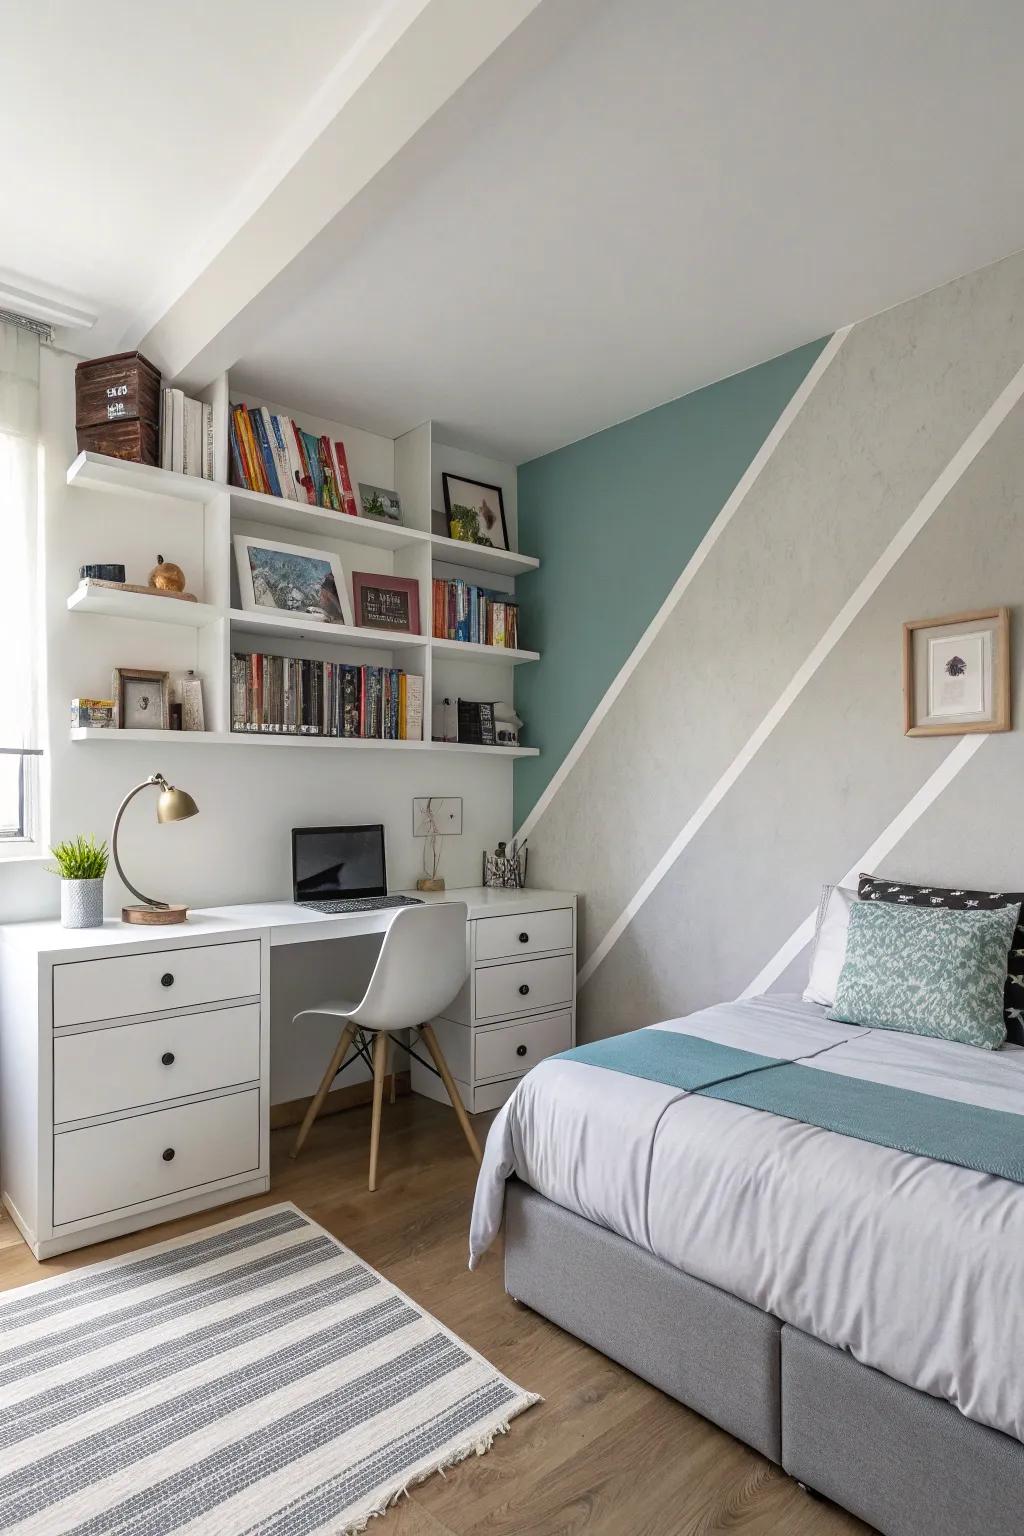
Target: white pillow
{"points": [[829, 944]]}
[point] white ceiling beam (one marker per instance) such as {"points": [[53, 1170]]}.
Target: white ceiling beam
{"points": [[403, 75]]}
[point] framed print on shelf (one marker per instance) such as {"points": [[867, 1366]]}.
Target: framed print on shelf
{"points": [[141, 699], [380, 504], [287, 578], [956, 674], [386, 602], [475, 511]]}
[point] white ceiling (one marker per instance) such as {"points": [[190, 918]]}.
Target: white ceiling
{"points": [[674, 190], [686, 190], [135, 135]]}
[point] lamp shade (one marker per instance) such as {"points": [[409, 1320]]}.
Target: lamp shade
{"points": [[175, 805]]}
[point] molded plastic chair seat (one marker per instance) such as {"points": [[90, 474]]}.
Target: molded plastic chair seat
{"points": [[421, 967]]}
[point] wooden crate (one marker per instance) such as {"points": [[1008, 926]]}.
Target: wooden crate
{"points": [[134, 440], [125, 387]]}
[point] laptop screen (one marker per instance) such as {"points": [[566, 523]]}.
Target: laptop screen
{"points": [[333, 862]]}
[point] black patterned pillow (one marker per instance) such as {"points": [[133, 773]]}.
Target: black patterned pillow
{"points": [[875, 888]]}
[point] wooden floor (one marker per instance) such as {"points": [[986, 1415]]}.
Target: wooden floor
{"points": [[604, 1453]]}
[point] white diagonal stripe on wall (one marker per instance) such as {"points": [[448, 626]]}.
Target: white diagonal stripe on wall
{"points": [[883, 844], [898, 545], [693, 565]]}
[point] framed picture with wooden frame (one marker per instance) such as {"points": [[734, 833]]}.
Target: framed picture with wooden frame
{"points": [[141, 699], [956, 674]]}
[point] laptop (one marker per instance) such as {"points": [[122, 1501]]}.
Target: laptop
{"points": [[341, 869]]}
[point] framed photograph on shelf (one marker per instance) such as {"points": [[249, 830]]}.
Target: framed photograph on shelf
{"points": [[956, 674], [475, 511], [380, 504], [286, 578], [141, 699], [386, 602]]}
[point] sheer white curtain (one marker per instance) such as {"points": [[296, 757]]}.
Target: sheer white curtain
{"points": [[20, 636]]}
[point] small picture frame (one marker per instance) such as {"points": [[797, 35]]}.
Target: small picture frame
{"points": [[384, 506], [141, 699], [386, 602], [956, 674], [475, 511], [289, 578]]}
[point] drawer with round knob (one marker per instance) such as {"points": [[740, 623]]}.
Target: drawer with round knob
{"points": [[523, 987], [528, 933], [86, 991], [99, 1071], [123, 1163], [518, 1047]]}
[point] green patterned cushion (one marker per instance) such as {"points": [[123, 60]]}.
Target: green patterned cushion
{"points": [[927, 972]]}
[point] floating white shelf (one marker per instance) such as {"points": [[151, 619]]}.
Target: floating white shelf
{"points": [[279, 512], [114, 604], [98, 472], [93, 736], [480, 557], [491, 655], [287, 626]]}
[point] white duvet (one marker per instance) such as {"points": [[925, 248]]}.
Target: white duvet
{"points": [[915, 1267]]}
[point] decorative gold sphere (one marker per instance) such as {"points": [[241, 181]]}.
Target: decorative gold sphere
{"points": [[166, 576]]}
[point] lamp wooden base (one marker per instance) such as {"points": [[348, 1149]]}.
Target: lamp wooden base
{"points": [[154, 915]]}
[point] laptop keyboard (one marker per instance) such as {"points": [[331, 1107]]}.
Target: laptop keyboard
{"points": [[362, 903]]}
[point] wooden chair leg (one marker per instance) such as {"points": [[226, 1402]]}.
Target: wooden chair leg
{"points": [[380, 1067], [394, 1071], [317, 1101], [427, 1034]]}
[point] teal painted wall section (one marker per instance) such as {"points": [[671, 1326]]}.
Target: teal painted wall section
{"points": [[614, 519]]}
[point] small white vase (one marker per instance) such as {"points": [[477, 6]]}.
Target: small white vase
{"points": [[81, 903]]}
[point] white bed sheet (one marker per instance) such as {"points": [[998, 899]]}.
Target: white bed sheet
{"points": [[916, 1267]]}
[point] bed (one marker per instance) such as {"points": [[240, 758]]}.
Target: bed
{"points": [[853, 1310]]}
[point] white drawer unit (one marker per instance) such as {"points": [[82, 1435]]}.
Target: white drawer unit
{"points": [[89, 990], [98, 1071], [134, 1076], [519, 1002], [150, 1156], [515, 1048]]}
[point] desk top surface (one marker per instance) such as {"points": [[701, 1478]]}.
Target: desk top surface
{"points": [[286, 922]]}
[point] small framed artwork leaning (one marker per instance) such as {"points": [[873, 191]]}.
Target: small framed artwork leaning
{"points": [[381, 504], [286, 578], [956, 674], [475, 511], [141, 699], [386, 602]]}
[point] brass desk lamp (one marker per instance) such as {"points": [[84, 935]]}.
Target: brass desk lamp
{"points": [[172, 805]]}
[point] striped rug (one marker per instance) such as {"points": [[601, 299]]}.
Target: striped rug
{"points": [[254, 1378]]}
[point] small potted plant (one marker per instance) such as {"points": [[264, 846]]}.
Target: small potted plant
{"points": [[81, 865]]}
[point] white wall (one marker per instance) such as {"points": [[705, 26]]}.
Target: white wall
{"points": [[238, 848]]}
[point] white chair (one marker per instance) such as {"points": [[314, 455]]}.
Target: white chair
{"points": [[420, 969]]}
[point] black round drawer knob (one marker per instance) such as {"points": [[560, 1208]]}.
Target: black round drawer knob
{"points": [[167, 1059], [524, 938], [520, 1050], [168, 1155], [523, 990], [167, 980]]}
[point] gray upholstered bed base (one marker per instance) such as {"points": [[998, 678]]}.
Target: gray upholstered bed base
{"points": [[901, 1460]]}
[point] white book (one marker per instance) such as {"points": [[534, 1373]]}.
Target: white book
{"points": [[275, 450], [165, 429], [193, 450], [280, 430], [177, 430], [209, 472], [295, 469], [413, 707]]}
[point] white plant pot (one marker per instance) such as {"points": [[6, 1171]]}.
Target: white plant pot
{"points": [[81, 903]]}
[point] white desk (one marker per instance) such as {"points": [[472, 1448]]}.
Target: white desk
{"points": [[135, 1061]]}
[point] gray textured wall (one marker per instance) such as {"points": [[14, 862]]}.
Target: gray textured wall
{"points": [[894, 407]]}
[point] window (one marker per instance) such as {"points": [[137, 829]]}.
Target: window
{"points": [[20, 662]]}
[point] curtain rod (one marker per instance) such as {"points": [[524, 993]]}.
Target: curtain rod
{"points": [[37, 327]]}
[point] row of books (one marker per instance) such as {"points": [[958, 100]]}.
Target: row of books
{"points": [[476, 614], [292, 696], [272, 454], [186, 434]]}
